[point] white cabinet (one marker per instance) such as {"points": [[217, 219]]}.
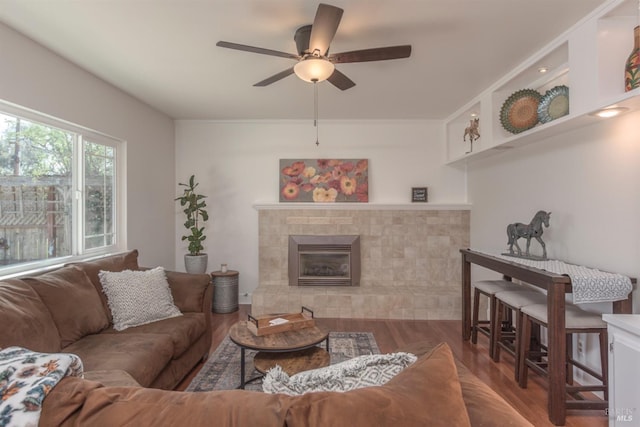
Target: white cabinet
{"points": [[624, 369], [589, 58]]}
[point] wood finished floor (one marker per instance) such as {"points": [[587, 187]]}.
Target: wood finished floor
{"points": [[392, 334]]}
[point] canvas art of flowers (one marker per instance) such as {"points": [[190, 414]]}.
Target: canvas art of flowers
{"points": [[324, 180]]}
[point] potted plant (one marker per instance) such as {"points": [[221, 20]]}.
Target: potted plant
{"points": [[194, 209]]}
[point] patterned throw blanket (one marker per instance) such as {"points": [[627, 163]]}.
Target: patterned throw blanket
{"points": [[589, 284], [26, 377]]}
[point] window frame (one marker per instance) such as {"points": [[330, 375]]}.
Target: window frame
{"points": [[81, 134]]}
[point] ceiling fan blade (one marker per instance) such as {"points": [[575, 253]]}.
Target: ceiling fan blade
{"points": [[375, 54], [324, 28], [281, 75], [254, 49], [340, 81]]}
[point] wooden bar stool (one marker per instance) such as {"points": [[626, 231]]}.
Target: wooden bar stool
{"points": [[487, 288], [505, 335], [576, 321]]}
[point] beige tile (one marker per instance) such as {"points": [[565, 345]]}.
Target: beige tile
{"points": [[345, 312], [332, 312], [315, 220], [294, 302], [421, 314], [342, 220], [307, 300]]}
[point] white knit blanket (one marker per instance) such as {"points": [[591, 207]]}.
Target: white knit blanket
{"points": [[589, 284]]}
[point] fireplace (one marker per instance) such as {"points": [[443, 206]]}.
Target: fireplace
{"points": [[324, 260]]}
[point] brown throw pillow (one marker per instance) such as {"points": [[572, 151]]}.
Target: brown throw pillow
{"points": [[188, 290], [426, 393], [118, 262], [25, 320], [72, 301]]}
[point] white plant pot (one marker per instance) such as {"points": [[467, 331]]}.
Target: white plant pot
{"points": [[196, 264]]}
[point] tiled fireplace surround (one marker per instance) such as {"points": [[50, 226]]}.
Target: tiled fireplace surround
{"points": [[411, 263]]}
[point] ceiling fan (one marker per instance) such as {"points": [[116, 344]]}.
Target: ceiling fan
{"points": [[315, 64]]}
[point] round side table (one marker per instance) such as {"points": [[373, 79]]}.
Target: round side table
{"points": [[225, 291]]}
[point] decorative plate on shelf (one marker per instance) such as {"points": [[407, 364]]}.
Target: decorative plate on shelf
{"points": [[520, 111], [554, 104]]}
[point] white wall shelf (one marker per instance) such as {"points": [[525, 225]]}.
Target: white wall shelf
{"points": [[589, 58]]}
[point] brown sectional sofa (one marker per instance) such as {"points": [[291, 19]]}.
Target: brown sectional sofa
{"points": [[65, 310], [431, 392]]}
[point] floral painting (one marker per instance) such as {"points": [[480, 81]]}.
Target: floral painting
{"points": [[324, 180]]}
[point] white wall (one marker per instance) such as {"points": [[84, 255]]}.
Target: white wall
{"points": [[588, 178], [36, 78], [237, 165]]}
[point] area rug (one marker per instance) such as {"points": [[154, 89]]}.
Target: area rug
{"points": [[222, 370]]}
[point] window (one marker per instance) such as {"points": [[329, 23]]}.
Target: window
{"points": [[98, 195], [58, 191]]}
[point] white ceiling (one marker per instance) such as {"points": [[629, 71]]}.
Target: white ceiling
{"points": [[163, 51]]}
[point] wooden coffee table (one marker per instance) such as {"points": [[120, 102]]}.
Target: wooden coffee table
{"points": [[295, 351]]}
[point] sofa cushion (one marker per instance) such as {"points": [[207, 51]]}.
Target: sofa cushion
{"points": [[426, 393], [143, 356], [183, 331], [26, 320], [138, 297], [118, 262], [361, 371], [72, 301], [485, 407]]}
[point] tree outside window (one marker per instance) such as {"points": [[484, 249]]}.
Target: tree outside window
{"points": [[38, 182]]}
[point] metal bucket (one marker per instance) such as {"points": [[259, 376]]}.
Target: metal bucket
{"points": [[225, 293]]}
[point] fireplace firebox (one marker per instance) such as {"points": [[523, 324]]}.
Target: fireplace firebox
{"points": [[317, 260]]}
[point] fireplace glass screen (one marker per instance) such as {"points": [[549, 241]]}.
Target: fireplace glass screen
{"points": [[324, 260], [320, 265]]}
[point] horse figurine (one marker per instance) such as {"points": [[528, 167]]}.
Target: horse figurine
{"points": [[473, 131], [534, 229]]}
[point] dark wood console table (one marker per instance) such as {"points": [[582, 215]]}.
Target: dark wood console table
{"points": [[556, 286]]}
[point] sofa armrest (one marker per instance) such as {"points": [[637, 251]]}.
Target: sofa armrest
{"points": [[193, 293]]}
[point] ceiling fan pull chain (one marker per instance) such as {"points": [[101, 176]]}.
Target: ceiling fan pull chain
{"points": [[315, 110]]}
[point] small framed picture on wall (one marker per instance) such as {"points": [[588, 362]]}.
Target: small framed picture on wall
{"points": [[419, 194]]}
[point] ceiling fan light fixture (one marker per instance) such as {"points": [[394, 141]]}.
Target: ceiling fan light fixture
{"points": [[314, 69]]}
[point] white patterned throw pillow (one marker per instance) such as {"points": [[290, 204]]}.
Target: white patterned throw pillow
{"points": [[138, 297], [361, 371]]}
